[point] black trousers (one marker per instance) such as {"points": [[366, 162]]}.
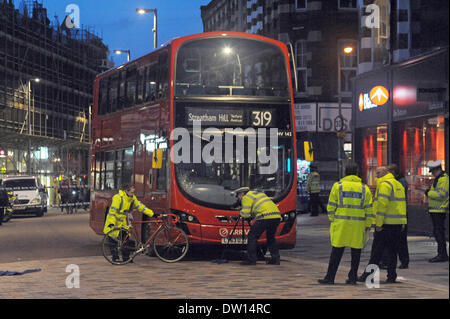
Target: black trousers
{"points": [[403, 252], [2, 214], [438, 220], [388, 238], [335, 260], [315, 203], [257, 229]]}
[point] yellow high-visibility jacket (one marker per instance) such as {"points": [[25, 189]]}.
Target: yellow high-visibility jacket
{"points": [[390, 202], [438, 196], [313, 183], [259, 206], [121, 205], [350, 212]]}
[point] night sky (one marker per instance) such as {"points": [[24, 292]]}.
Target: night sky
{"points": [[123, 28]]}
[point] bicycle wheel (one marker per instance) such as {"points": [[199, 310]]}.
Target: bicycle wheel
{"points": [[170, 244], [119, 246]]}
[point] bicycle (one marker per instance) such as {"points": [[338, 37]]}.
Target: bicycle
{"points": [[170, 243]]}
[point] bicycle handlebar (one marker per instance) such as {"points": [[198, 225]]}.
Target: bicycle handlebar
{"points": [[175, 217]]}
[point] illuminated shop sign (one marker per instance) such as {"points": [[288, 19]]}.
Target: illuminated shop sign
{"points": [[378, 96]]}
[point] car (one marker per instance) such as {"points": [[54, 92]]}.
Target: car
{"points": [[31, 197]]}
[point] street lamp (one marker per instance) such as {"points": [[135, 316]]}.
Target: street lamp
{"points": [[339, 120], [124, 51], [155, 34]]}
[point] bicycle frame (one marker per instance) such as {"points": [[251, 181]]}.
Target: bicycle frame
{"points": [[160, 221]]}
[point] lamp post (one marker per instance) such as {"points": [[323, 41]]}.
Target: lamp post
{"points": [[37, 80], [124, 51], [347, 50], [155, 24]]}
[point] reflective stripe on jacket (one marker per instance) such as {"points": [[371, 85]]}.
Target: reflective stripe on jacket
{"points": [[259, 206], [313, 183], [390, 202], [438, 196], [122, 205], [350, 212]]}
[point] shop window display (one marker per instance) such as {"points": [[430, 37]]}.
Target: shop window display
{"points": [[422, 140], [374, 152]]}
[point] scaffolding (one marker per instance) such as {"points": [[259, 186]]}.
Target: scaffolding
{"points": [[55, 112]]}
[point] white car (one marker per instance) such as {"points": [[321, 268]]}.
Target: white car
{"points": [[31, 196]]}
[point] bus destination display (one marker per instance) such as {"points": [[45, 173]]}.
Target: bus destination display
{"points": [[230, 117]]}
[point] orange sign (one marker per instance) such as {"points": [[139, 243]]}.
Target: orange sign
{"points": [[361, 102], [379, 95]]}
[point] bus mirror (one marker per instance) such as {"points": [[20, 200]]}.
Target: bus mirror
{"points": [[157, 158], [308, 148]]}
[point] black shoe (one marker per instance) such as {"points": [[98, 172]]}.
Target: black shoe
{"points": [[362, 278], [391, 281], [350, 282], [273, 261], [438, 259], [248, 263], [325, 281], [403, 266]]}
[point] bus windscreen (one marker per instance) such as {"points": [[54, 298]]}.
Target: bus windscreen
{"points": [[230, 66]]}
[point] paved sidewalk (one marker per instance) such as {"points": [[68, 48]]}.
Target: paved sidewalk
{"points": [[151, 278], [295, 278]]}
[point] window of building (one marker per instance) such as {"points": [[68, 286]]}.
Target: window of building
{"points": [[347, 4], [374, 152], [421, 140], [301, 4], [302, 65]]}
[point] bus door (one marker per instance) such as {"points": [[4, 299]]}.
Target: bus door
{"points": [[156, 169], [161, 177]]}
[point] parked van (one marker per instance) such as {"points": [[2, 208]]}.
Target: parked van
{"points": [[31, 196]]}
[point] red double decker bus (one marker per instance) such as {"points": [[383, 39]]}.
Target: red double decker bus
{"points": [[233, 86]]}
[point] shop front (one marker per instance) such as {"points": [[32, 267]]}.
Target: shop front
{"points": [[400, 116]]}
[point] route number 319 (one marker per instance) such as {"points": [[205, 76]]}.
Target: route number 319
{"points": [[261, 118]]}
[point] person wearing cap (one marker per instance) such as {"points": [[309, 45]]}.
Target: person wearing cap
{"points": [[313, 189], [267, 217], [438, 208]]}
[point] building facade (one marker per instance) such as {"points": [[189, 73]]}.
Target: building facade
{"points": [[46, 84], [400, 97]]}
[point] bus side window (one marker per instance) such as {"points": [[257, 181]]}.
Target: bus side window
{"points": [[122, 90], [103, 96], [131, 87], [150, 83], [141, 86], [163, 85], [112, 97]]}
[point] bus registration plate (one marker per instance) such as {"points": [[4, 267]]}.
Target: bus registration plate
{"points": [[236, 241]]}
